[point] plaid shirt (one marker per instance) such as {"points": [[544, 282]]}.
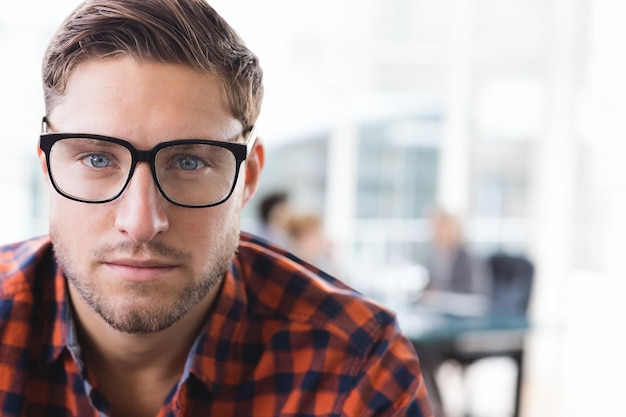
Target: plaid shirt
{"points": [[284, 339]]}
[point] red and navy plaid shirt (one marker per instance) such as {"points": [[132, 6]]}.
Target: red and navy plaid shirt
{"points": [[284, 339]]}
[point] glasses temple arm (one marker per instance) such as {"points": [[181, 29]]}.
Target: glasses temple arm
{"points": [[44, 125], [250, 140]]}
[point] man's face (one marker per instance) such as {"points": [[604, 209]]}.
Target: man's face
{"points": [[140, 262]]}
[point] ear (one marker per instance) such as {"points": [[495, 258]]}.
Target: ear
{"points": [[254, 165], [42, 162]]}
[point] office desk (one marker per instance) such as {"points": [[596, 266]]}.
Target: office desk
{"points": [[439, 336]]}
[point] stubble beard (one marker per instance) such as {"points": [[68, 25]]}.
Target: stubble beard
{"points": [[156, 315]]}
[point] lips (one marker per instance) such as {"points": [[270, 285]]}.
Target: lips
{"points": [[139, 270]]}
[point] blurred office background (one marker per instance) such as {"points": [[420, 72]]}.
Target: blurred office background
{"points": [[508, 112]]}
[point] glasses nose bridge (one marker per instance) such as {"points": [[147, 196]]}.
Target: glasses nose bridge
{"points": [[142, 156]]}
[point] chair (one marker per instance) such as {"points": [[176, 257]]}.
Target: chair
{"points": [[512, 286]]}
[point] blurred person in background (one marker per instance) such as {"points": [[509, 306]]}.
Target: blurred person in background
{"points": [[460, 283], [308, 241], [146, 299], [274, 211], [453, 268]]}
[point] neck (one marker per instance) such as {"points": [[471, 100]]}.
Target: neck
{"points": [[136, 371]]}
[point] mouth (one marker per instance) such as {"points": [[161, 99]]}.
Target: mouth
{"points": [[139, 270]]}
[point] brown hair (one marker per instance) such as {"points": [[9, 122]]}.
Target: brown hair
{"points": [[187, 32]]}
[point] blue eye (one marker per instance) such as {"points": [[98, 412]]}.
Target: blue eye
{"points": [[98, 161], [189, 163]]}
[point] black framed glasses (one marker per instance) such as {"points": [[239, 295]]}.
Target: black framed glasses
{"points": [[191, 173]]}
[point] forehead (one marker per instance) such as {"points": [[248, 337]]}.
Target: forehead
{"points": [[137, 100]]}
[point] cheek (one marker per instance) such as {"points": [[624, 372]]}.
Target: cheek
{"points": [[210, 236], [77, 224], [205, 224], [63, 213]]}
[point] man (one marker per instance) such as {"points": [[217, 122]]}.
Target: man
{"points": [[145, 300], [453, 268]]}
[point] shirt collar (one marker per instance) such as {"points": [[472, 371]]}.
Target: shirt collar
{"points": [[222, 323], [61, 329]]}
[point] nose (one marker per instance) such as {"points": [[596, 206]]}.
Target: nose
{"points": [[141, 209]]}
